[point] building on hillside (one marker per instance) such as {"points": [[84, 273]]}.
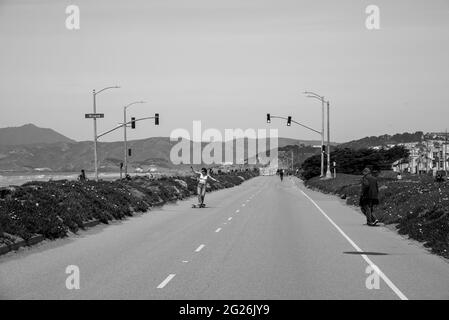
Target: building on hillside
{"points": [[426, 156]]}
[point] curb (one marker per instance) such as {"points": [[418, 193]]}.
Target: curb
{"points": [[23, 243], [4, 249]]}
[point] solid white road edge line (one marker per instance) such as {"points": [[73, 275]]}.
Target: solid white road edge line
{"points": [[230, 218], [356, 247], [167, 280]]}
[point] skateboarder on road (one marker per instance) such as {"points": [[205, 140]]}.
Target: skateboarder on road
{"points": [[202, 180], [369, 196]]}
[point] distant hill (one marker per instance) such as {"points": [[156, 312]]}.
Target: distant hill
{"points": [[74, 156], [383, 140], [30, 134]]}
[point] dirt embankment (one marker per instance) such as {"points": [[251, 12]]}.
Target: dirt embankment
{"points": [[52, 209]]}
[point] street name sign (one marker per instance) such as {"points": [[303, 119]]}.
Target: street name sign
{"points": [[94, 115]]}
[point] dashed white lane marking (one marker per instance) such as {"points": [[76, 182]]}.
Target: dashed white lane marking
{"points": [[185, 261], [247, 200], [200, 248], [218, 230], [243, 205], [230, 218], [167, 280], [237, 211], [364, 256]]}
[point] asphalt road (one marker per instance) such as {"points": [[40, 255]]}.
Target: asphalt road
{"points": [[265, 239]]}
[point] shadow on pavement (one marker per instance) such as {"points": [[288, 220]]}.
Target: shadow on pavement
{"points": [[366, 253]]}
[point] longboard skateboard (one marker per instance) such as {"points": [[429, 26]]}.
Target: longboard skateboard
{"points": [[199, 205]]}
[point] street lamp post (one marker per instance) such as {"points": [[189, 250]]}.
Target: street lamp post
{"points": [[124, 134], [95, 127], [328, 171], [321, 99]]}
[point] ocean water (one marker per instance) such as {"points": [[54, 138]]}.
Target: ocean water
{"points": [[17, 179]]}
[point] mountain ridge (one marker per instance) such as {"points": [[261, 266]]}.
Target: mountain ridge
{"points": [[29, 134]]}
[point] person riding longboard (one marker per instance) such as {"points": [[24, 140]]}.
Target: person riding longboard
{"points": [[201, 189]]}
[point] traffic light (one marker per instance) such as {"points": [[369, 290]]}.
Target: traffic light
{"points": [[156, 119], [129, 152], [289, 121], [133, 123], [268, 118], [323, 148]]}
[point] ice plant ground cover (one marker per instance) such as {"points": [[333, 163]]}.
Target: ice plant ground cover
{"points": [[54, 208], [417, 205]]}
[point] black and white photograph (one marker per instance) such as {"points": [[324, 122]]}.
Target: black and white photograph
{"points": [[222, 156]]}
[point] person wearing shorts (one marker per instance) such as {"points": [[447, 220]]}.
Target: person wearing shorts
{"points": [[202, 182]]}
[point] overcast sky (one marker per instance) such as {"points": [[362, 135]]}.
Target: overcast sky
{"points": [[227, 63]]}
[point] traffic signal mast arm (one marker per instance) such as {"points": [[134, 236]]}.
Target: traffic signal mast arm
{"points": [[300, 124], [127, 123]]}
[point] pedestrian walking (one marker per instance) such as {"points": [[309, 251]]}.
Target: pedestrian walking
{"points": [[369, 196], [82, 176]]}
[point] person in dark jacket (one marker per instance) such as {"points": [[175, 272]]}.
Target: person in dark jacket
{"points": [[82, 176], [369, 196]]}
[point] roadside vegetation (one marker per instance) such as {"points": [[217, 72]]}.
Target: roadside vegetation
{"points": [[417, 205], [354, 161], [54, 208]]}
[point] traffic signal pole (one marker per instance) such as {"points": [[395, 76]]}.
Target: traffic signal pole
{"points": [[95, 138], [328, 171], [322, 137], [94, 116], [321, 98], [125, 149]]}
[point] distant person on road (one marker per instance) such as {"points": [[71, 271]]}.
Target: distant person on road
{"points": [[281, 174], [82, 176], [399, 176], [202, 181], [369, 196]]}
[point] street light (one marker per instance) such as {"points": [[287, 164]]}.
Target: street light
{"points": [[124, 132], [321, 98], [95, 127]]}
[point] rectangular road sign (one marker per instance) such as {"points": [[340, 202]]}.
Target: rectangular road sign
{"points": [[94, 115]]}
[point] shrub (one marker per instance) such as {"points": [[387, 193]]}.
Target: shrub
{"points": [[55, 207]]}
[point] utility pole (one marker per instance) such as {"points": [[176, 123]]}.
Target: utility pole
{"points": [[292, 160], [125, 142], [125, 149], [445, 155], [95, 137], [328, 171], [322, 136], [94, 116], [321, 98]]}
